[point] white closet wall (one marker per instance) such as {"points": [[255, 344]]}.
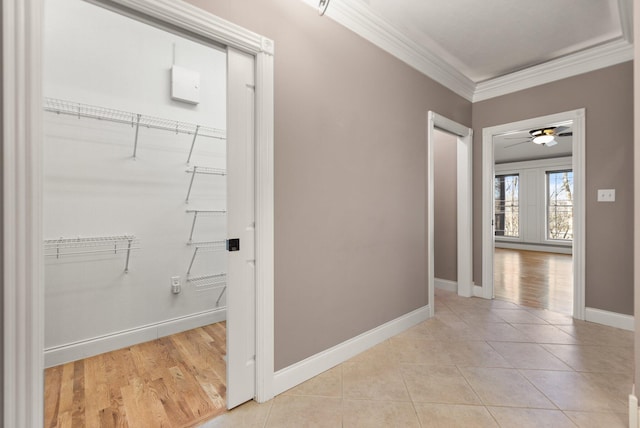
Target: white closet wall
{"points": [[94, 186]]}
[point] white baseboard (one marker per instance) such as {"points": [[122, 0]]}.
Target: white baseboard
{"points": [[612, 319], [99, 345], [534, 247], [304, 370], [634, 413], [445, 284], [478, 291]]}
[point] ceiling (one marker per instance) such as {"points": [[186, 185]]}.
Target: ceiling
{"points": [[517, 146], [482, 49]]}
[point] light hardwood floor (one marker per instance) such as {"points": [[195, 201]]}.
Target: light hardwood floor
{"points": [[175, 381], [535, 279]]}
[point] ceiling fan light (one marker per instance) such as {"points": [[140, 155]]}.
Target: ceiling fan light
{"points": [[543, 139]]}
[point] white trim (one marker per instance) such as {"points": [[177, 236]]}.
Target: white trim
{"points": [[634, 412], [22, 193], [625, 12], [265, 276], [533, 247], [198, 21], [478, 291], [304, 370], [606, 55], [22, 211], [98, 345], [445, 284], [578, 250], [549, 164], [487, 226], [464, 168], [578, 164], [612, 319], [357, 17]]}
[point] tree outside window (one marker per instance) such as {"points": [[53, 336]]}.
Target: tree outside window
{"points": [[506, 197], [560, 205]]}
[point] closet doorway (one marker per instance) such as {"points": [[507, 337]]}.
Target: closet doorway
{"points": [[22, 178], [149, 219]]}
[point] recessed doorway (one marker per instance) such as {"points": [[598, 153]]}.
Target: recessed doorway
{"points": [[460, 137]]}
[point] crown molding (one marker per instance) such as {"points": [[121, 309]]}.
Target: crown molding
{"points": [[358, 18], [625, 10], [571, 65]]}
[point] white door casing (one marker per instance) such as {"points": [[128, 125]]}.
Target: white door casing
{"points": [[241, 329], [22, 192], [464, 203], [577, 117]]}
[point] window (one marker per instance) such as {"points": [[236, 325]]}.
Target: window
{"points": [[507, 214], [560, 205]]}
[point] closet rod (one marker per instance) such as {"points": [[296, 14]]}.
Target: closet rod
{"points": [[80, 110]]}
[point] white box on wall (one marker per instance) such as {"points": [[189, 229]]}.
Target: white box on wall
{"points": [[185, 85]]}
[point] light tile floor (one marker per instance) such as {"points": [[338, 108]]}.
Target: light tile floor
{"points": [[477, 363]]}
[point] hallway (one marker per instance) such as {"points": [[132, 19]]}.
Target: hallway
{"points": [[477, 363]]}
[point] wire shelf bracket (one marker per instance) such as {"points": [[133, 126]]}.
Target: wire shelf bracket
{"points": [[202, 247], [197, 213], [62, 247], [202, 170], [135, 120]]}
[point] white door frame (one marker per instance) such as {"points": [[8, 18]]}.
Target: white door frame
{"points": [[464, 155], [22, 32], [578, 160]]}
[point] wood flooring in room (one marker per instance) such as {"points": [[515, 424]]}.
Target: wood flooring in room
{"points": [[535, 279], [175, 381]]}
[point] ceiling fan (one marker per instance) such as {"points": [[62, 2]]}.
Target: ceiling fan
{"points": [[545, 136]]}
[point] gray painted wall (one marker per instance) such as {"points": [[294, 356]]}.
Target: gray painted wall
{"points": [[445, 220], [350, 176], [607, 96]]}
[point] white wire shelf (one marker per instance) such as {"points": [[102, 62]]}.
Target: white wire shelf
{"points": [[202, 170], [135, 120], [211, 281], [114, 244]]}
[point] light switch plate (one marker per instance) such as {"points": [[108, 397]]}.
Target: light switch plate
{"points": [[606, 195], [185, 85]]}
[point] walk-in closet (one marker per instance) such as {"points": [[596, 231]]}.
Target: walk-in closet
{"points": [[135, 217]]}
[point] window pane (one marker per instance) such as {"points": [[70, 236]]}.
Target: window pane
{"points": [[507, 212], [560, 205]]}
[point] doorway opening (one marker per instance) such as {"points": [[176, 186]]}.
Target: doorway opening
{"points": [[24, 290], [143, 185], [533, 220], [533, 212], [463, 161]]}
